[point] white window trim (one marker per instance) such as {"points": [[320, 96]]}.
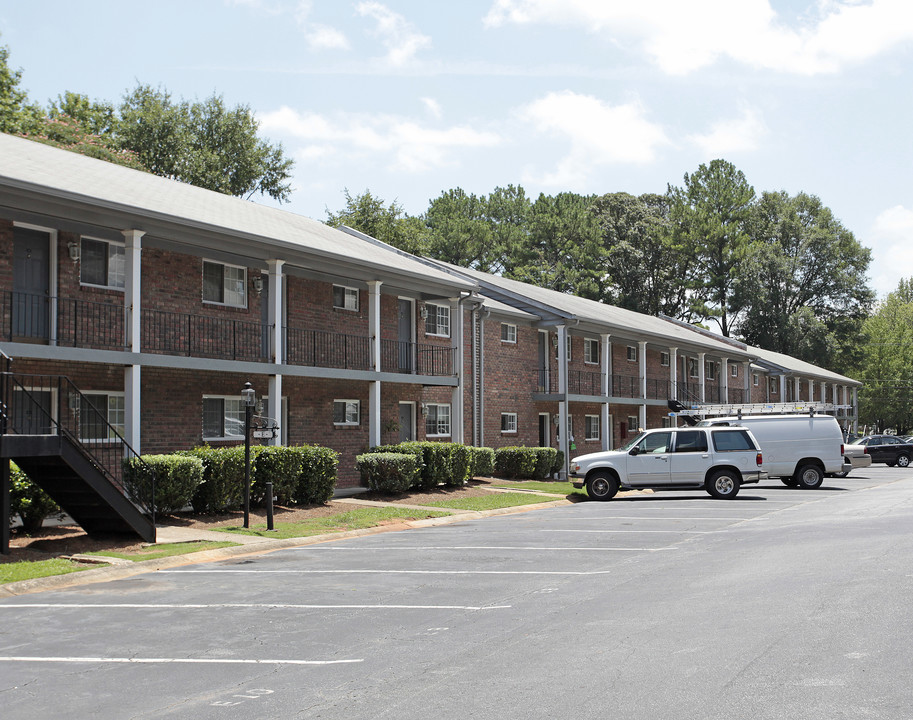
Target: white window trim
{"points": [[118, 288], [755, 380], [710, 370], [664, 359], [509, 416], [632, 427], [346, 294], [631, 353], [223, 437], [223, 265], [509, 326], [733, 370], [587, 423], [347, 423], [594, 353], [436, 309], [449, 420], [693, 369], [108, 395]]}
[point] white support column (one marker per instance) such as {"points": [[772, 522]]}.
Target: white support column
{"points": [[564, 441], [673, 372], [702, 375], [746, 365], [274, 313], [456, 342], [855, 410], [811, 391], [782, 388], [606, 362], [133, 310], [642, 367], [724, 380], [274, 407], [374, 388], [798, 388]]}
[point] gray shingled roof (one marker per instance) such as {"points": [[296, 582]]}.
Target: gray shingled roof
{"points": [[49, 172], [774, 360]]}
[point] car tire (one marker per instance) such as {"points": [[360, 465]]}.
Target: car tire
{"points": [[903, 461], [601, 485], [809, 476], [789, 481], [723, 484], [890, 464]]}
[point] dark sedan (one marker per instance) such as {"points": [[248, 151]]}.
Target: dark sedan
{"points": [[888, 449]]}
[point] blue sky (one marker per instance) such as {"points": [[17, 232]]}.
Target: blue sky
{"points": [[409, 98]]}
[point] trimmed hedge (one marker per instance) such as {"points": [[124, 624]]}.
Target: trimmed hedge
{"points": [[533, 463], [222, 488], [558, 465], [28, 501], [174, 477], [279, 465], [317, 476], [439, 463], [388, 472], [483, 461], [460, 465]]}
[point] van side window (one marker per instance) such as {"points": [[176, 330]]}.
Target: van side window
{"points": [[656, 443], [732, 440], [690, 441]]}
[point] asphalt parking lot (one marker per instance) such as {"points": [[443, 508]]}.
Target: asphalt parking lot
{"points": [[780, 603]]}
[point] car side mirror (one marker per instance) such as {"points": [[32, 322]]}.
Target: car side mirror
{"points": [[634, 451]]}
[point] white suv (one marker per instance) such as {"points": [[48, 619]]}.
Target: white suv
{"points": [[717, 459]]}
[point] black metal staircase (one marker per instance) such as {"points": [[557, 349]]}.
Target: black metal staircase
{"points": [[65, 444]]}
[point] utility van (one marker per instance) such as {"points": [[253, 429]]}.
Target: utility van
{"points": [[799, 449]]}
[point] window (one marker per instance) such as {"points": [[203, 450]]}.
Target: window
{"points": [[732, 440], [664, 359], [657, 442], [633, 423], [754, 379], [734, 370], [346, 412], [345, 298], [437, 421], [710, 370], [567, 340], [101, 263], [590, 351], [508, 333], [224, 284], [508, 422], [438, 320], [773, 385], [223, 418], [591, 429], [690, 441], [99, 410], [632, 353], [692, 367]]}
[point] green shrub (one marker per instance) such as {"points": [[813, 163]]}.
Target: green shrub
{"points": [[317, 475], [28, 501], [223, 478], [483, 461], [460, 465], [279, 465], [175, 478], [515, 462], [545, 459], [558, 464], [388, 472]]}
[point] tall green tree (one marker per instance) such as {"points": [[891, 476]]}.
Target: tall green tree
{"points": [[710, 213], [804, 281], [562, 250], [886, 366], [18, 115], [202, 143], [460, 233], [371, 215], [646, 270]]}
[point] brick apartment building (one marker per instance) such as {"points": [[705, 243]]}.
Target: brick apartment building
{"points": [[159, 301]]}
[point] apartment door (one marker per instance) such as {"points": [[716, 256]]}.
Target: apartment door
{"points": [[31, 412], [545, 435], [31, 284], [404, 336], [406, 421]]}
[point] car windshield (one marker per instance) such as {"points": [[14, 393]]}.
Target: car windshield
{"points": [[631, 443]]}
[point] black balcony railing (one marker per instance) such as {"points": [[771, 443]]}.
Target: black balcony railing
{"points": [[736, 396], [418, 358], [659, 388], [68, 321], [625, 386], [174, 333], [316, 348], [585, 382]]}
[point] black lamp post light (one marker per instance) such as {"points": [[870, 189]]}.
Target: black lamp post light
{"points": [[267, 428]]}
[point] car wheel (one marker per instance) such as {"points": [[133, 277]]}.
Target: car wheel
{"points": [[601, 485], [789, 481], [903, 460], [809, 477], [723, 484]]}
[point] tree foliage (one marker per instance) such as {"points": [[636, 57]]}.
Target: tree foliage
{"points": [[17, 115], [370, 215], [710, 214]]}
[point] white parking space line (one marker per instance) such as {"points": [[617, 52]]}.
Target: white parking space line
{"points": [[389, 572], [475, 547], [146, 661], [641, 517], [667, 532], [272, 606]]}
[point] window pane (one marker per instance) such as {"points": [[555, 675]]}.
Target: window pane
{"points": [[351, 299], [213, 289], [213, 412], [93, 416], [93, 262], [234, 417], [116, 265], [116, 415], [235, 286], [691, 441]]}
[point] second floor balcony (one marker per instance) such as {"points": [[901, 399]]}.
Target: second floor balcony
{"points": [[68, 322]]}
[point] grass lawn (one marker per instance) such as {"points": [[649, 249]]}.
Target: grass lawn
{"points": [[352, 520], [154, 552], [558, 488], [490, 502], [14, 572]]}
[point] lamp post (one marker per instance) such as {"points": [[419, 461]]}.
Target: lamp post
{"points": [[248, 397]]}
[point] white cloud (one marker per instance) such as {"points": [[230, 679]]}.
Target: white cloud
{"points": [[400, 37], [316, 35], [685, 36], [891, 239], [598, 133], [413, 147], [433, 107], [733, 135]]}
